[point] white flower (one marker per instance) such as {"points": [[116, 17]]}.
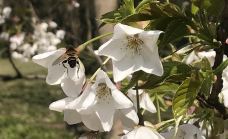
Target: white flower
{"points": [[142, 132], [69, 71], [91, 121], [52, 24], [193, 56], [4, 36], [60, 34], [132, 49], [128, 117], [103, 99], [185, 131], [17, 39], [75, 4], [6, 12], [144, 100]]}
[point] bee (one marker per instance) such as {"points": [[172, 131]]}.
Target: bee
{"points": [[70, 57]]}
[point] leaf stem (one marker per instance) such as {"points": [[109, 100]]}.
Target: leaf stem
{"points": [[82, 46], [95, 73], [141, 121], [158, 109]]}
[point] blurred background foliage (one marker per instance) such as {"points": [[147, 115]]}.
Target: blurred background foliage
{"points": [[24, 95]]}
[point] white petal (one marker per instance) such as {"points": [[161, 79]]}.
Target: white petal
{"points": [[76, 73], [152, 63], [133, 92], [120, 29], [72, 88], [56, 73], [225, 97], [83, 102], [72, 117], [150, 38], [105, 114], [103, 77], [147, 104], [46, 59], [121, 101], [142, 132], [115, 49], [147, 133], [129, 119], [130, 113], [92, 122], [128, 65], [60, 105]]}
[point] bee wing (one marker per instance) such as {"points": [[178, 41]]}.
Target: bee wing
{"points": [[60, 59]]}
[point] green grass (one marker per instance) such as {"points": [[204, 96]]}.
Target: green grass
{"points": [[24, 112]]}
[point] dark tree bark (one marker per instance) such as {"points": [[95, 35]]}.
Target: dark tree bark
{"points": [[222, 34]]}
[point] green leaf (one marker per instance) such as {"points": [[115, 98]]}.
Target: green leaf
{"points": [[194, 9], [126, 9], [143, 4], [186, 95], [176, 30], [165, 87], [221, 67], [173, 71], [212, 7]]}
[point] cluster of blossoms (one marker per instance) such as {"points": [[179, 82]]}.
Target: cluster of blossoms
{"points": [[100, 104], [41, 41], [44, 38]]}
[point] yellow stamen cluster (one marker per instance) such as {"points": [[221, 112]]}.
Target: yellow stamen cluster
{"points": [[103, 92], [134, 43]]}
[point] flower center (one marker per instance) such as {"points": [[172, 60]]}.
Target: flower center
{"points": [[103, 92], [134, 43]]}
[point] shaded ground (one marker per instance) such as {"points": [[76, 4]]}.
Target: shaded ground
{"points": [[24, 112]]}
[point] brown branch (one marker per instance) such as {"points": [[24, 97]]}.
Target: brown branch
{"points": [[222, 35]]}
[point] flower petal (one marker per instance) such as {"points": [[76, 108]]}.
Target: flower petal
{"points": [[92, 122], [128, 65], [150, 38], [60, 105], [56, 73], [120, 29], [147, 133], [72, 117], [72, 88], [121, 101], [142, 132], [105, 114], [103, 77], [115, 49], [83, 103], [130, 113], [46, 59], [76, 73], [152, 63], [147, 103]]}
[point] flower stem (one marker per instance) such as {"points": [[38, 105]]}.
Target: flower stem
{"points": [[95, 73], [141, 121], [82, 46], [158, 108]]}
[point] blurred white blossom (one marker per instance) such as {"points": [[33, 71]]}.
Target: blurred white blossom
{"points": [[60, 34], [6, 12]]}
